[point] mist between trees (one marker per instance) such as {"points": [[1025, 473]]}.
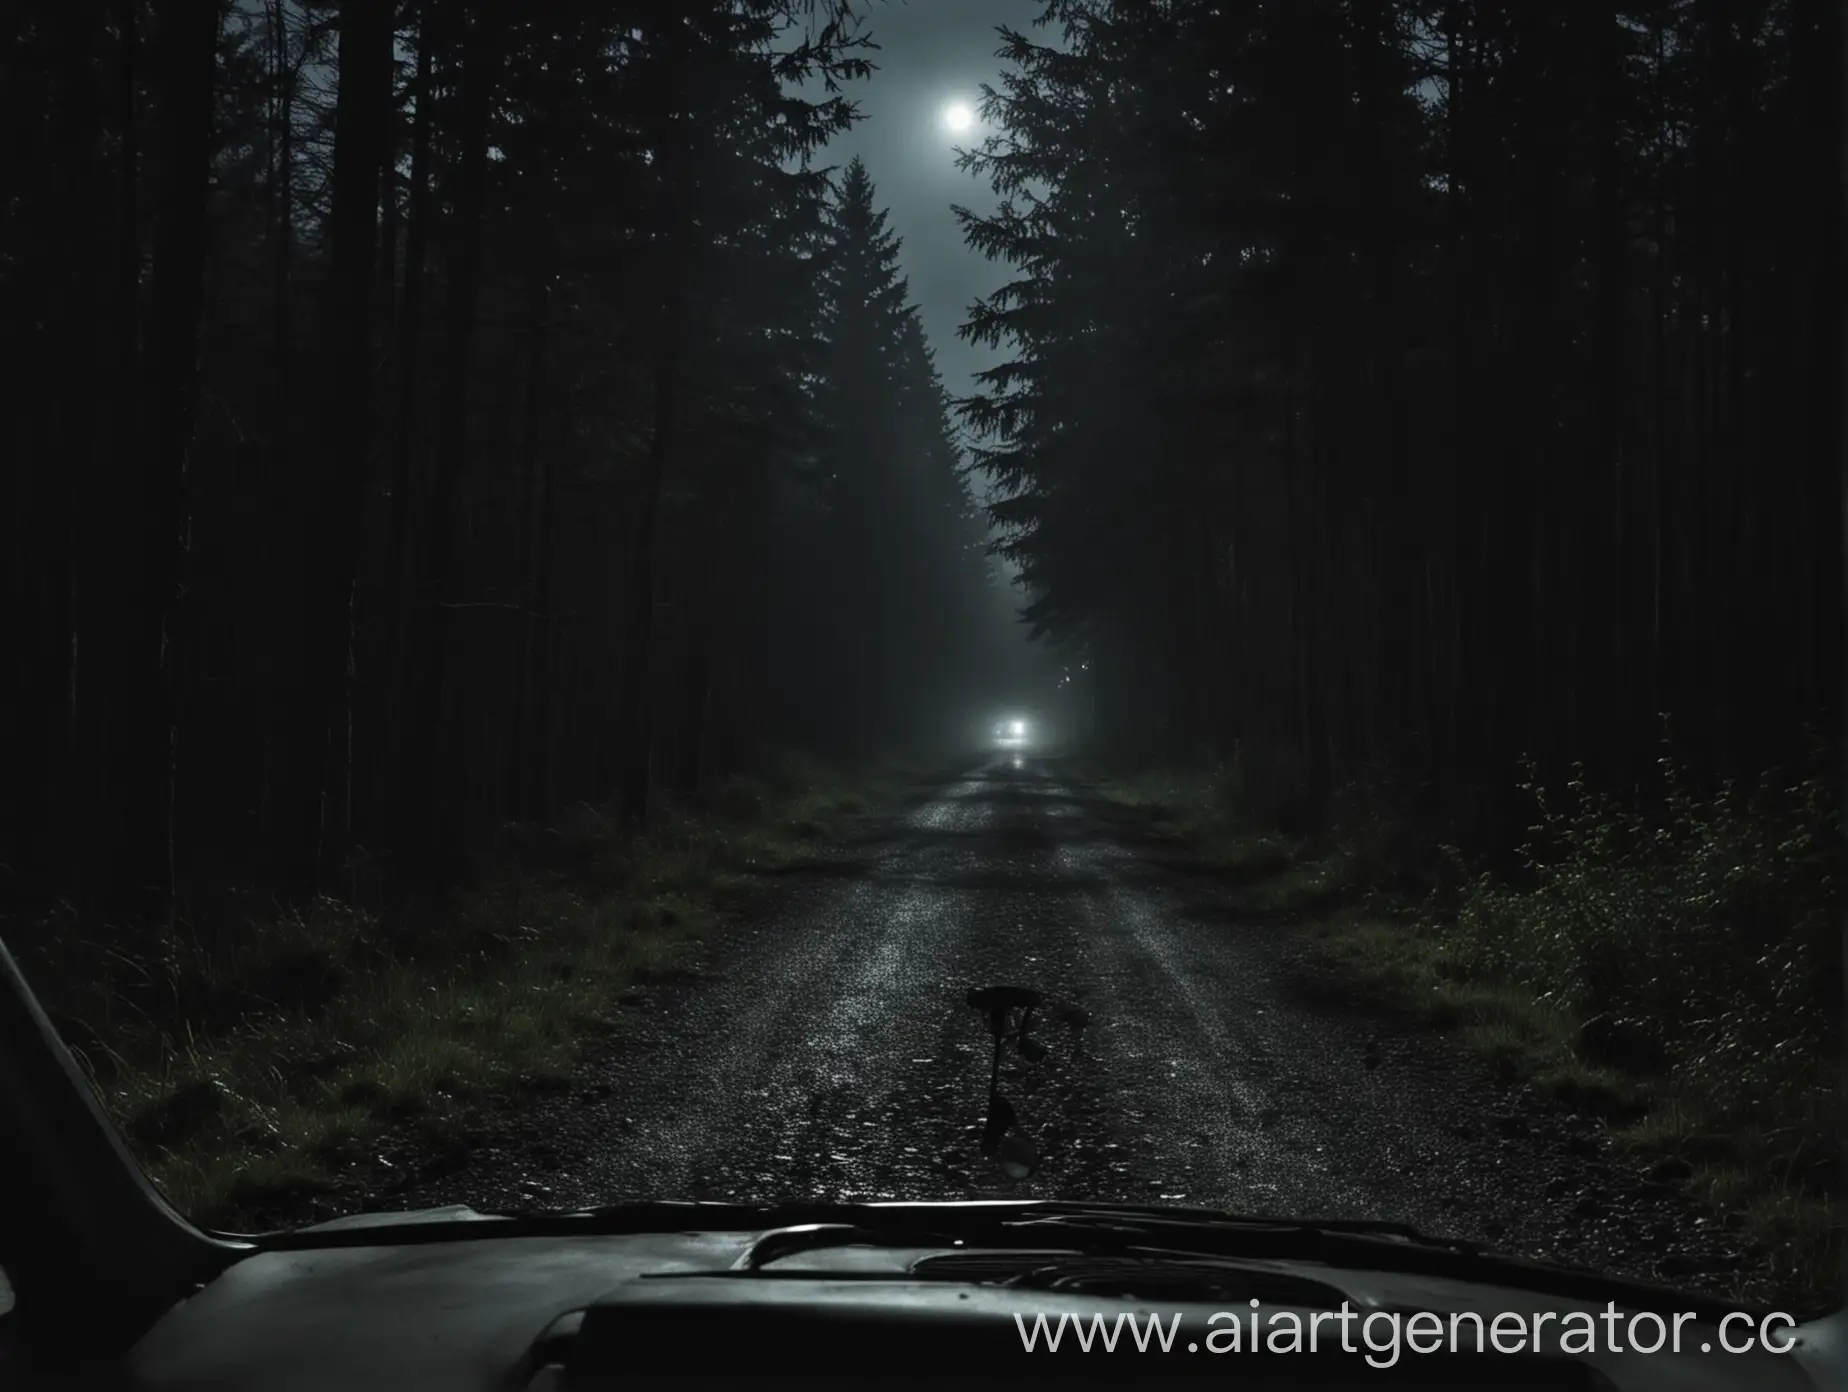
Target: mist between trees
{"points": [[1435, 384], [1427, 384], [436, 414]]}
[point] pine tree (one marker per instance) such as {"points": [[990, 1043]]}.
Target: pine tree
{"points": [[873, 449], [1391, 384]]}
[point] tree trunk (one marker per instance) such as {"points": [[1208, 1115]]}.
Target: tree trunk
{"points": [[538, 306], [390, 684], [317, 780], [429, 780], [544, 649], [635, 724], [188, 56]]}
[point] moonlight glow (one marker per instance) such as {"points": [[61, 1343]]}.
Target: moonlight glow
{"points": [[958, 117]]}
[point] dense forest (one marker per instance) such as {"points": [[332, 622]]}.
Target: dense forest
{"points": [[431, 414], [1417, 385], [428, 414]]}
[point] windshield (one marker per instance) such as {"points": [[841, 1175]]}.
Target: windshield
{"points": [[586, 572]]}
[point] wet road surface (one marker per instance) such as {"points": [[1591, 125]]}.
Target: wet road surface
{"points": [[823, 1049]]}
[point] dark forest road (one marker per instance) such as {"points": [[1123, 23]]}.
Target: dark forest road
{"points": [[823, 1049]]}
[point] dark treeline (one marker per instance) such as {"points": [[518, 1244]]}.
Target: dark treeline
{"points": [[428, 413], [1426, 384]]}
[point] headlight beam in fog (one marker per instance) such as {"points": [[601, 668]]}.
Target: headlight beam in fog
{"points": [[1011, 733]]}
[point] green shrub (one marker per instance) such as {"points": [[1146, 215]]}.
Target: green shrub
{"points": [[1701, 942]]}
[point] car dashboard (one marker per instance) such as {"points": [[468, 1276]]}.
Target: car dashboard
{"points": [[450, 1309]]}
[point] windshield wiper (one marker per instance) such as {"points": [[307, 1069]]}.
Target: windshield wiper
{"points": [[1080, 1233], [447, 1224], [1192, 1218], [1103, 1231]]}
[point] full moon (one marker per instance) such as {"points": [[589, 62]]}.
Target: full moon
{"points": [[958, 117]]}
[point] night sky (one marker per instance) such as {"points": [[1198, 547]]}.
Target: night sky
{"points": [[932, 53]]}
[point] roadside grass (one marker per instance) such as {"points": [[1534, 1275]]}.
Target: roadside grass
{"points": [[283, 1060], [1676, 975]]}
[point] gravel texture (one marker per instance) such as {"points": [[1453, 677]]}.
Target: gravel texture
{"points": [[821, 1048]]}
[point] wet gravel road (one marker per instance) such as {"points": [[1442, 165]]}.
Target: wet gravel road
{"points": [[822, 1049]]}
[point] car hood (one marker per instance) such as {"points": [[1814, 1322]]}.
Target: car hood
{"points": [[447, 1297]]}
